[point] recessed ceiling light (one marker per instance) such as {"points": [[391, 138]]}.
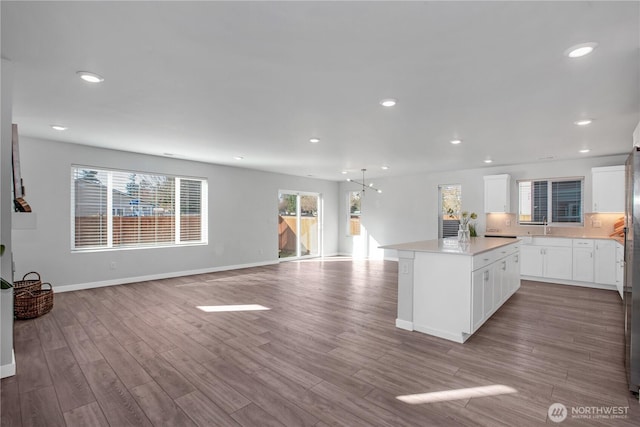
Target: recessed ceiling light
{"points": [[90, 77], [584, 150], [583, 122], [581, 49], [384, 168], [389, 102], [238, 157], [314, 140], [59, 127], [455, 141], [343, 172], [488, 161]]}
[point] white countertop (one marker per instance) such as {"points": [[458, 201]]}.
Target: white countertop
{"points": [[477, 245]]}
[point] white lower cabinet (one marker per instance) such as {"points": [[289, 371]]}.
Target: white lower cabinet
{"points": [[577, 261], [483, 302], [583, 262], [477, 298], [605, 264], [558, 262], [551, 260], [532, 261], [493, 284], [513, 271]]}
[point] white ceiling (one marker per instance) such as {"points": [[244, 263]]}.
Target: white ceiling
{"points": [[209, 81]]}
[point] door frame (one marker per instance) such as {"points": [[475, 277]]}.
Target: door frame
{"points": [[320, 217]]}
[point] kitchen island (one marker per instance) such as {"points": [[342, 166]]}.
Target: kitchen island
{"points": [[449, 289]]}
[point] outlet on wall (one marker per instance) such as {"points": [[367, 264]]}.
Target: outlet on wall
{"points": [[112, 265], [507, 222], [597, 223]]}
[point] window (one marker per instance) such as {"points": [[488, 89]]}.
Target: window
{"points": [[353, 216], [554, 201], [299, 224], [450, 208], [123, 209]]}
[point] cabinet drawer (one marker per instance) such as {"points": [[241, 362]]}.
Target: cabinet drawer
{"points": [[503, 252], [552, 241], [582, 243], [484, 259]]}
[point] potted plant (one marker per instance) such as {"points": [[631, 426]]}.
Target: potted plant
{"points": [[464, 230]]}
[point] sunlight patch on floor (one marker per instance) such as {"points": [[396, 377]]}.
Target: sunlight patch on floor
{"points": [[225, 308], [459, 394]]}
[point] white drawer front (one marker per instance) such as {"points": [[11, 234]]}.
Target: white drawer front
{"points": [[552, 241], [582, 243], [484, 259]]}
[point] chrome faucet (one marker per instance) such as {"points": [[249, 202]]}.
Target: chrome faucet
{"points": [[546, 228]]}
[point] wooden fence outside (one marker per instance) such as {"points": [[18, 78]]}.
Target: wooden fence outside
{"points": [[288, 232], [354, 226], [131, 230]]}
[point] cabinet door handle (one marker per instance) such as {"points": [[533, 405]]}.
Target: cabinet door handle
{"points": [[517, 259], [504, 265]]}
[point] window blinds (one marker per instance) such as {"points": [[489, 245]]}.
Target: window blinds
{"points": [[566, 201], [122, 209]]}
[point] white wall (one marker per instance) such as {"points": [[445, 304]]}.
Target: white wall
{"points": [[242, 217], [407, 209], [7, 366]]}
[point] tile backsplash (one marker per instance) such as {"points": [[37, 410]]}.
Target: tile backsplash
{"points": [[595, 225]]}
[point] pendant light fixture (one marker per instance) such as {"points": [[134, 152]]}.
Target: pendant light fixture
{"points": [[364, 186]]}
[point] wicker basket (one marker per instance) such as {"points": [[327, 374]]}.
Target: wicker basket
{"points": [[31, 304], [27, 284]]}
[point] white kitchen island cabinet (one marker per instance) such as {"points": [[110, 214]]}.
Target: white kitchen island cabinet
{"points": [[448, 289]]}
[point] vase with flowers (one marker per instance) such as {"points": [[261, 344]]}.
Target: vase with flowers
{"points": [[464, 235]]}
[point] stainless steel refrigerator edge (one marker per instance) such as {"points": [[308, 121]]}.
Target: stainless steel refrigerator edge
{"points": [[631, 294]]}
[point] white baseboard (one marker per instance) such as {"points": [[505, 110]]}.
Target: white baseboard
{"points": [[331, 254], [404, 324], [10, 369], [570, 283], [125, 280], [460, 337]]}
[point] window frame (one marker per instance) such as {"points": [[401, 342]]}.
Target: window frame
{"points": [[550, 202], [454, 215], [349, 214], [109, 246]]}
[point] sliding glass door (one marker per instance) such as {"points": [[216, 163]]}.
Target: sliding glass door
{"points": [[298, 224]]}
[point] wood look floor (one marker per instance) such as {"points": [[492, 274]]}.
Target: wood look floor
{"points": [[326, 353]]}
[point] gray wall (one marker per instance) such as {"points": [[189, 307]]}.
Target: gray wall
{"points": [[6, 206], [407, 209], [242, 218]]}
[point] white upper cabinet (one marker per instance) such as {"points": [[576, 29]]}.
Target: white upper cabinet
{"points": [[608, 189], [497, 193]]}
